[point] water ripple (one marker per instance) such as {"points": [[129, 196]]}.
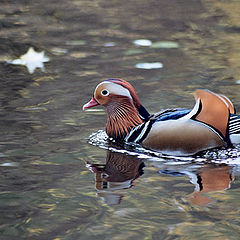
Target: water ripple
{"points": [[221, 156]]}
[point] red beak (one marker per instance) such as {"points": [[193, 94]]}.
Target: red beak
{"points": [[91, 103]]}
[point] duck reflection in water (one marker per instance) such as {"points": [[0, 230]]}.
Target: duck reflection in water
{"points": [[118, 173], [120, 170], [207, 179], [210, 178]]}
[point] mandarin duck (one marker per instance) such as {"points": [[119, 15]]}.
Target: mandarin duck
{"points": [[210, 124]]}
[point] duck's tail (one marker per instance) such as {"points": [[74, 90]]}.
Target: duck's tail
{"points": [[218, 112]]}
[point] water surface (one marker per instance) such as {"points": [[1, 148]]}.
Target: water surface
{"points": [[56, 183]]}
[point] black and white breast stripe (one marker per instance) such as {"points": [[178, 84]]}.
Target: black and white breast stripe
{"points": [[139, 133], [234, 124]]}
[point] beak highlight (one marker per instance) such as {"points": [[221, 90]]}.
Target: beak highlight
{"points": [[91, 103]]}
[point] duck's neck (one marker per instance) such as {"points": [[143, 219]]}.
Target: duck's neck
{"points": [[122, 117]]}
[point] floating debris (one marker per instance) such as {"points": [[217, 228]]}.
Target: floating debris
{"points": [[165, 44], [109, 44], [238, 82], [31, 60], [58, 51], [142, 42], [153, 65], [76, 42], [133, 52], [9, 164]]}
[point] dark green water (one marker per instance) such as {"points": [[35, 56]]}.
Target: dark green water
{"points": [[54, 183]]}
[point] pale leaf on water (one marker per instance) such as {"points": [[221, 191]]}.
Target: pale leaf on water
{"points": [[31, 60]]}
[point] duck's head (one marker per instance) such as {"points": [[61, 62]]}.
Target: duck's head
{"points": [[122, 104]]}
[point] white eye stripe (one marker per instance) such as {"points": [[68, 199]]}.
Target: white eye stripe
{"points": [[105, 92], [114, 88]]}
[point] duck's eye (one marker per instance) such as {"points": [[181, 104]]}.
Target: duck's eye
{"points": [[105, 92]]}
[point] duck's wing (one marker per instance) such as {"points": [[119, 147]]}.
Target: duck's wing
{"points": [[213, 110], [229, 104], [169, 114]]}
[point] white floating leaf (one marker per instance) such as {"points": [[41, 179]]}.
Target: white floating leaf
{"points": [[153, 65], [31, 60], [133, 52], [109, 44], [76, 42], [9, 164], [165, 44], [59, 50], [142, 42]]}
